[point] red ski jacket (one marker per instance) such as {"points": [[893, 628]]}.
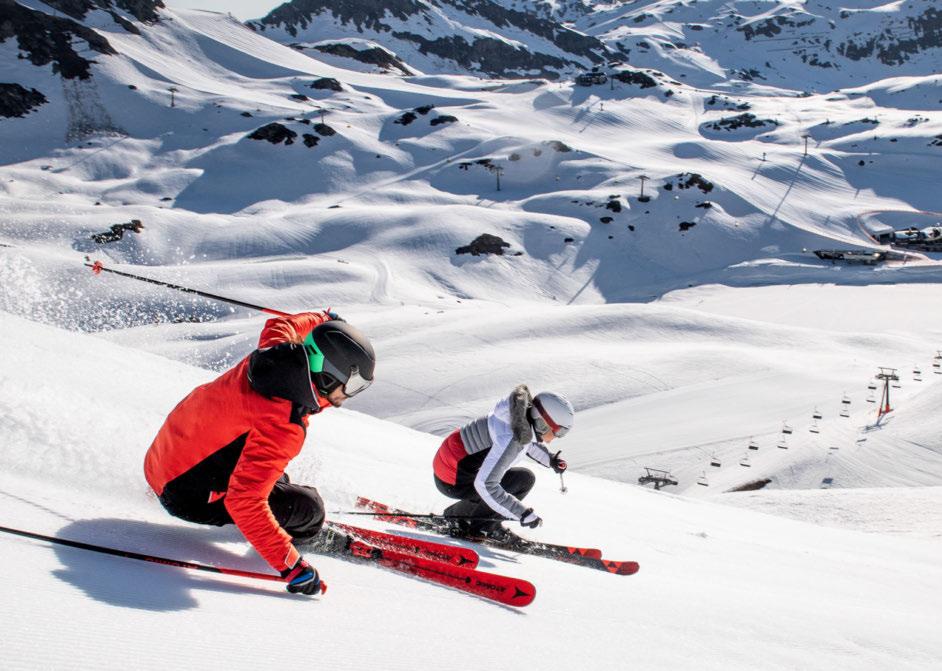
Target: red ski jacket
{"points": [[232, 438]]}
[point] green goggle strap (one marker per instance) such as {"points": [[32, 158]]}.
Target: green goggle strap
{"points": [[314, 356]]}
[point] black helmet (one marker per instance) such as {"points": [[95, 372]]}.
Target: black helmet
{"points": [[339, 355]]}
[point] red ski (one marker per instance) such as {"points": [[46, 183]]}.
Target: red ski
{"points": [[447, 554], [334, 539], [588, 557]]}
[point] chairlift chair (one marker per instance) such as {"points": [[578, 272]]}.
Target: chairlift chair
{"points": [[715, 462], [745, 461], [871, 399], [845, 413], [814, 428], [702, 480], [782, 445], [873, 387], [845, 399], [816, 414], [786, 428], [753, 445]]}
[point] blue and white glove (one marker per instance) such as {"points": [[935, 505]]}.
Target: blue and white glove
{"points": [[303, 579]]}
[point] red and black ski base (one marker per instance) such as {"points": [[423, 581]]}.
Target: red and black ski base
{"points": [[588, 557], [447, 554], [502, 589]]}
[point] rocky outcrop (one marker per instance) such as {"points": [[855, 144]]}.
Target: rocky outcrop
{"points": [[470, 47], [746, 120], [377, 56], [484, 244], [142, 10], [327, 84], [17, 101], [922, 32], [274, 133], [46, 39], [488, 55]]}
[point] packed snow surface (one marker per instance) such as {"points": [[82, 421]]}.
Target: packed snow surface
{"points": [[693, 328]]}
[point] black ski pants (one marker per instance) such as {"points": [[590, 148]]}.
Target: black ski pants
{"points": [[297, 508], [516, 481]]}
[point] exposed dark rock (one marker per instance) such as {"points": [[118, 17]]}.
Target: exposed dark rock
{"points": [[724, 103], [17, 101], [568, 240], [613, 204], [327, 83], [406, 118], [310, 140], [687, 180], [745, 120], [488, 55], [558, 146], [687, 225], [372, 56], [750, 486], [706, 205], [299, 96], [896, 47], [937, 142], [606, 220], [635, 77], [444, 118], [484, 244], [424, 109], [274, 133], [324, 130], [142, 10], [246, 114], [514, 157], [48, 39], [117, 232]]}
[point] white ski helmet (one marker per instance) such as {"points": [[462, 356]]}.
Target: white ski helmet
{"points": [[551, 412]]}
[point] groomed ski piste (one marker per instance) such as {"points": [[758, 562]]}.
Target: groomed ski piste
{"points": [[679, 345]]}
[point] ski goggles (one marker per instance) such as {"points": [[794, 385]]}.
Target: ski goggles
{"points": [[558, 430], [354, 384]]}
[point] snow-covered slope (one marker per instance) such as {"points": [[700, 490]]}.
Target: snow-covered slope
{"points": [[79, 413]]}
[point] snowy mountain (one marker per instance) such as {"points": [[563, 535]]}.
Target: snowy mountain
{"points": [[471, 36], [645, 246]]}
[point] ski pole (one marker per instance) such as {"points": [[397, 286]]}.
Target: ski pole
{"points": [[472, 518], [97, 267], [562, 484], [143, 557]]}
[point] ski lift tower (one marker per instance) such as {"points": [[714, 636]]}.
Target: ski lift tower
{"points": [[888, 375]]}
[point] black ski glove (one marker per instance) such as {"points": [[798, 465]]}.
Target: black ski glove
{"points": [[557, 464], [530, 519], [303, 579]]}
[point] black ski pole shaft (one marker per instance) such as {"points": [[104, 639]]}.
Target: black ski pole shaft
{"points": [[97, 267], [473, 518], [142, 557]]}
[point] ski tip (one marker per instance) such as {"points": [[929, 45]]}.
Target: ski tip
{"points": [[524, 594], [323, 587], [622, 567]]}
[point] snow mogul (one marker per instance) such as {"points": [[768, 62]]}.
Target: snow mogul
{"points": [[221, 454], [474, 463]]}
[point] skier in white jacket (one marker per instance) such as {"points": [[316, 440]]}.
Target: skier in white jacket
{"points": [[475, 463]]}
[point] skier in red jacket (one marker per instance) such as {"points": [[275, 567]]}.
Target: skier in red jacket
{"points": [[220, 456]]}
